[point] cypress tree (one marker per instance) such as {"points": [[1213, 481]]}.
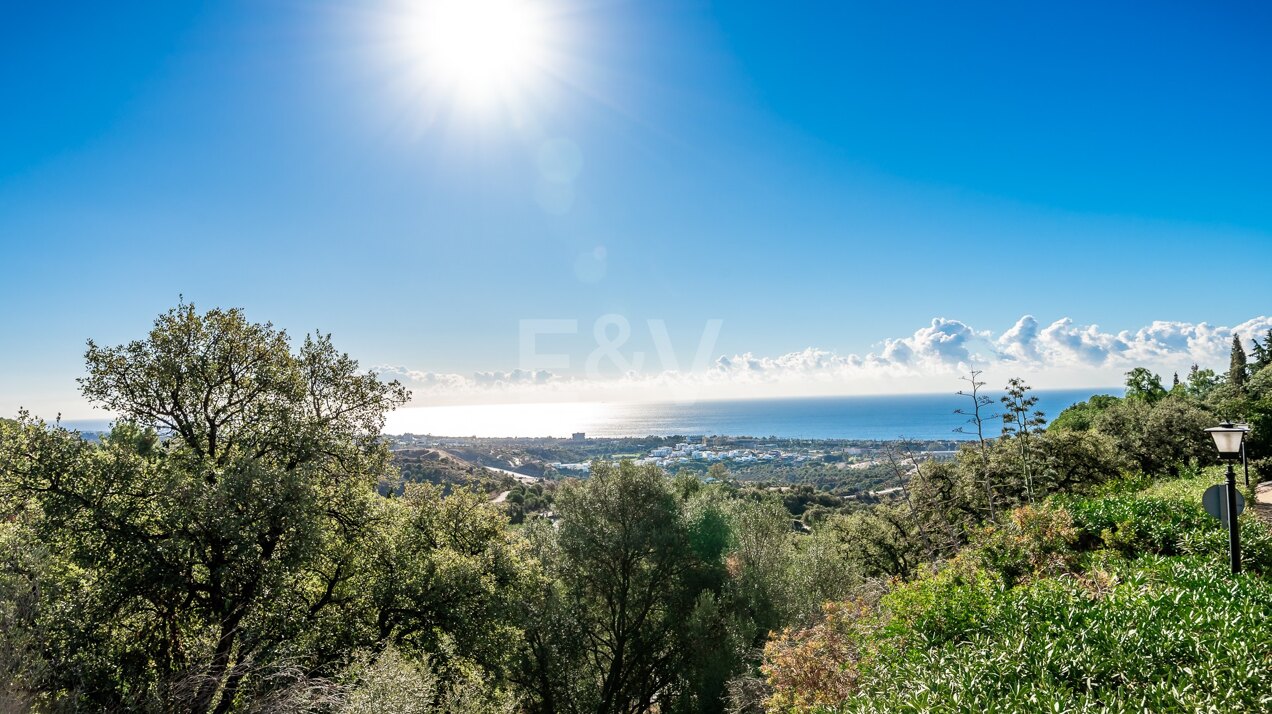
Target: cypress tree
{"points": [[1237, 366]]}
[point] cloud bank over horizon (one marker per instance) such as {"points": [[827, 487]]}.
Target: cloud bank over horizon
{"points": [[1059, 354]]}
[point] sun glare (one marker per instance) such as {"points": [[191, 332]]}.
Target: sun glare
{"points": [[481, 51]]}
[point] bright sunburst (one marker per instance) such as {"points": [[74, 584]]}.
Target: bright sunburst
{"points": [[480, 51]]}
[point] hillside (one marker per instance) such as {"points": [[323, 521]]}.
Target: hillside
{"points": [[247, 563], [1116, 602], [442, 468]]}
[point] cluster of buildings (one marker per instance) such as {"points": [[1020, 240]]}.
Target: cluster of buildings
{"points": [[668, 457], [684, 452]]}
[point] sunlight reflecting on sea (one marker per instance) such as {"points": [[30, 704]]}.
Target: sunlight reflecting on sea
{"points": [[915, 416], [491, 420]]}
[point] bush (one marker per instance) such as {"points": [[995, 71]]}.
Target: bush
{"points": [[1155, 634], [817, 666], [1159, 437], [389, 683], [950, 605], [1037, 541], [1134, 525], [1079, 460], [1262, 469], [1155, 622], [1081, 416]]}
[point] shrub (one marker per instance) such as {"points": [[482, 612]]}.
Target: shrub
{"points": [[1134, 525], [1037, 541], [1158, 635], [817, 666], [1256, 544], [389, 683], [1079, 460], [1155, 624], [1159, 437], [949, 605]]}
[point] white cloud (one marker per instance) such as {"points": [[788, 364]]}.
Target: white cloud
{"points": [[1021, 341], [1060, 354]]}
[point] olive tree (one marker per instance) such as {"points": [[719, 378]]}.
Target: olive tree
{"points": [[216, 521]]}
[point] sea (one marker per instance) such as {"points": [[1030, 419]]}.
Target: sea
{"points": [[880, 417], [909, 416]]}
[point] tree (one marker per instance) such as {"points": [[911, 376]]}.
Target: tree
{"points": [[1158, 438], [1237, 368], [1262, 352], [218, 517], [1201, 382], [620, 560], [976, 418], [760, 557], [718, 472], [1143, 384], [903, 482], [1081, 416], [444, 576], [880, 541], [1076, 460], [1020, 422]]}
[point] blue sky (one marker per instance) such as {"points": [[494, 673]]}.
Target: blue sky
{"points": [[814, 175]]}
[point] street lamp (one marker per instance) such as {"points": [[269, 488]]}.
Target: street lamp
{"points": [[1228, 440]]}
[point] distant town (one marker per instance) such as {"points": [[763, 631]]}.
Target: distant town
{"points": [[857, 464]]}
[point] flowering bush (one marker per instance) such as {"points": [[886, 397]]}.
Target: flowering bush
{"points": [[1036, 542], [818, 666]]}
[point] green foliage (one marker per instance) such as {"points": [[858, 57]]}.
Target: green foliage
{"points": [[1262, 352], [25, 570], [224, 547], [529, 501], [1035, 542], [1081, 416], [1159, 437], [242, 541], [623, 572], [1024, 621], [389, 682], [1238, 369], [1133, 524], [1154, 635], [943, 607], [656, 591], [1201, 382], [882, 541], [954, 496], [1143, 384], [1020, 422], [1076, 461]]}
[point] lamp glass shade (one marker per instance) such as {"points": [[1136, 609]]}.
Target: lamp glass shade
{"points": [[1227, 440]]}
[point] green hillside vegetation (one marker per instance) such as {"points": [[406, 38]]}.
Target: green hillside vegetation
{"points": [[1121, 602], [231, 547]]}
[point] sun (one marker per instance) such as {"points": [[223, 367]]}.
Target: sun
{"points": [[481, 51]]}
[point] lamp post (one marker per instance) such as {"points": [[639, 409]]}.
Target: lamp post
{"points": [[1229, 441]]}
